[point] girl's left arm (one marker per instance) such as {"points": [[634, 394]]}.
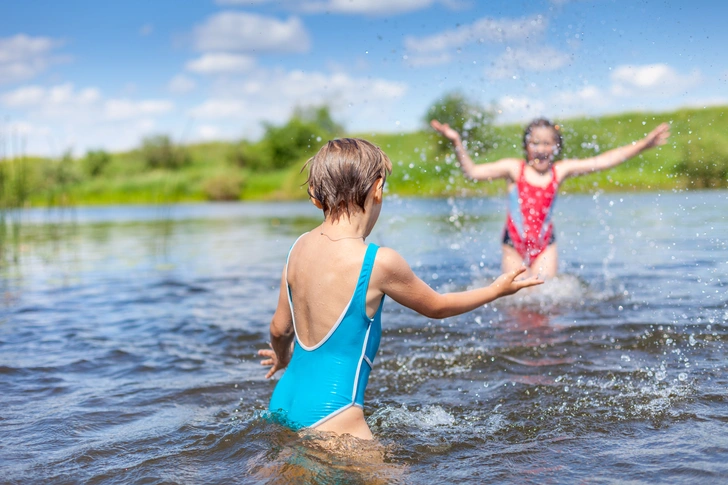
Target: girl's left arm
{"points": [[614, 157]]}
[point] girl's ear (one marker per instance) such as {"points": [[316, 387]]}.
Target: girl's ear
{"points": [[378, 190], [314, 200]]}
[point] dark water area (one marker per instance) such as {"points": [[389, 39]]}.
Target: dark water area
{"points": [[128, 341]]}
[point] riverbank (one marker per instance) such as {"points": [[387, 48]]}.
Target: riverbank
{"points": [[695, 157]]}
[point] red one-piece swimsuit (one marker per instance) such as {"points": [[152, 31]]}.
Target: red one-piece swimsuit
{"points": [[529, 229]]}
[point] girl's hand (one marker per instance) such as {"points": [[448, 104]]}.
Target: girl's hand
{"points": [[506, 283], [271, 359], [445, 130], [658, 136]]}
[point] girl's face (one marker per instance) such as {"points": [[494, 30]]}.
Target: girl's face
{"points": [[541, 147]]}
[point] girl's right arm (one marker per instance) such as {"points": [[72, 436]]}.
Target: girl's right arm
{"points": [[505, 168], [395, 278], [281, 334]]}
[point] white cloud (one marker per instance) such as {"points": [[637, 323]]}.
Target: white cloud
{"points": [[220, 62], [291, 88], [60, 117], [651, 80], [271, 95], [218, 108], [63, 95], [124, 109], [208, 132], [533, 59], [146, 30], [181, 84], [367, 7], [519, 108], [483, 30], [364, 7], [246, 32], [427, 60], [23, 57]]}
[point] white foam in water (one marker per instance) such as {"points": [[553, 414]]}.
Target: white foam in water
{"points": [[563, 290], [425, 418]]}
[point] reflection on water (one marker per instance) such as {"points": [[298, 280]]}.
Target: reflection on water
{"points": [[128, 340]]}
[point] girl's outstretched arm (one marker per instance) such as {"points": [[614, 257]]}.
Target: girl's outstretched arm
{"points": [[281, 334], [394, 277], [614, 157], [506, 168]]}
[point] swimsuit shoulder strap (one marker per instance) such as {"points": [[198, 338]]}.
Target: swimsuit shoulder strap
{"points": [[288, 286], [366, 272], [523, 170], [289, 255]]}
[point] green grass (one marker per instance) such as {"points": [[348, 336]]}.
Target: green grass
{"points": [[695, 157]]}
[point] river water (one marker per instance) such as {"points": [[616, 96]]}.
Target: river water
{"points": [[128, 339]]}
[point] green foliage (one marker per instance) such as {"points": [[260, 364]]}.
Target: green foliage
{"points": [[705, 162], [246, 155], [473, 121], [298, 139], [695, 156], [60, 175], [159, 151], [95, 162], [284, 145], [223, 187], [16, 182]]}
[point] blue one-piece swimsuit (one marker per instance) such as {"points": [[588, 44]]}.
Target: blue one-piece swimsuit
{"points": [[330, 377]]}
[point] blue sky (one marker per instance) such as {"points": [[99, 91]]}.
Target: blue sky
{"points": [[83, 74]]}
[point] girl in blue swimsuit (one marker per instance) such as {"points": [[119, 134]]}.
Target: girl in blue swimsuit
{"points": [[326, 328]]}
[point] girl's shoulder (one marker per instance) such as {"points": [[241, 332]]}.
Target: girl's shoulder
{"points": [[514, 166]]}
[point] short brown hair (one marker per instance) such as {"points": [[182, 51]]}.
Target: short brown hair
{"points": [[343, 172]]}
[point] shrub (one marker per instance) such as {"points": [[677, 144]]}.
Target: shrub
{"points": [[95, 162], [705, 163], [300, 137], [223, 187], [245, 155], [159, 151]]}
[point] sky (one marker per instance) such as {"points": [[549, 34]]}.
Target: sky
{"points": [[81, 75]]}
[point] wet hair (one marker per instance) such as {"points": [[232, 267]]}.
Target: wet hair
{"points": [[343, 172], [543, 123]]}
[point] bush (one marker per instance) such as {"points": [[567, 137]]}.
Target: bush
{"points": [[473, 121], [95, 162], [300, 137], [159, 151], [293, 141], [705, 163], [245, 155], [223, 187]]}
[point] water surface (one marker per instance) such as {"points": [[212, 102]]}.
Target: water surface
{"points": [[128, 341]]}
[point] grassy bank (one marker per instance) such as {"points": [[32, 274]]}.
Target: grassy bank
{"points": [[696, 157]]}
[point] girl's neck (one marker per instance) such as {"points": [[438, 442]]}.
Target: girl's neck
{"points": [[536, 167], [345, 227]]}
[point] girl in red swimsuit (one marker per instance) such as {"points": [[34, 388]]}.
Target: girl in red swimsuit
{"points": [[528, 238]]}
